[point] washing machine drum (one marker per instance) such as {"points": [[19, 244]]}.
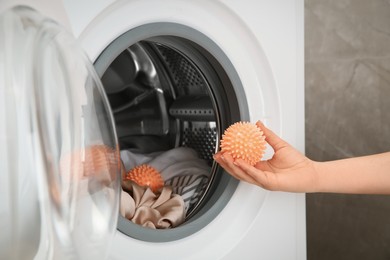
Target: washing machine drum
{"points": [[171, 99], [162, 103], [59, 156]]}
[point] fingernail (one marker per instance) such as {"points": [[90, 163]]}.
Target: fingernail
{"points": [[259, 122]]}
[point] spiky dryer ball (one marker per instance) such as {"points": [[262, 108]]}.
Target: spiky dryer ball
{"points": [[244, 140], [100, 158], [97, 161], [146, 175]]}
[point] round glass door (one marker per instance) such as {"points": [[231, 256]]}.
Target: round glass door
{"points": [[59, 157]]}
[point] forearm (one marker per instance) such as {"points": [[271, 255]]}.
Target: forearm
{"points": [[362, 175]]}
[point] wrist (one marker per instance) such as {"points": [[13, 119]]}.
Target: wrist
{"points": [[318, 180]]}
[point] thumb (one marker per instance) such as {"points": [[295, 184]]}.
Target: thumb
{"points": [[272, 139]]}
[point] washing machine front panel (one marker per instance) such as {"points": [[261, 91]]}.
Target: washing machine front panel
{"points": [[60, 165], [247, 215], [282, 42]]}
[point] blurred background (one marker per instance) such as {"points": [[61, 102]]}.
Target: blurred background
{"points": [[347, 74]]}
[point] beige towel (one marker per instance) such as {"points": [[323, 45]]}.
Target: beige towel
{"points": [[145, 208]]}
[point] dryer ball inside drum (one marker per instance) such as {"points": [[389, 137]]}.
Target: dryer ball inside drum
{"points": [[244, 140], [146, 175]]}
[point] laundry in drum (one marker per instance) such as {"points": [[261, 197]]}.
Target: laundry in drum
{"points": [[183, 172], [159, 210]]}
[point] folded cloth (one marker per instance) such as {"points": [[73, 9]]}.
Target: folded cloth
{"points": [[143, 207], [181, 168]]}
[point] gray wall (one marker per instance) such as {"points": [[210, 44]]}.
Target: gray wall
{"points": [[347, 74]]}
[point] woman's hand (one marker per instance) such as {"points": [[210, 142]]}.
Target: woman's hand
{"points": [[287, 170]]}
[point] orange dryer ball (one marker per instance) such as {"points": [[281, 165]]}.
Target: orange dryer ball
{"points": [[95, 160], [100, 158], [244, 140], [146, 175]]}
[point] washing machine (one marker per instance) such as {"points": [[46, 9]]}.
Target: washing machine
{"points": [[161, 75]]}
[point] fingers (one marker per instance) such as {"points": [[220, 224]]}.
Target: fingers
{"points": [[227, 162], [245, 172], [274, 140], [262, 178]]}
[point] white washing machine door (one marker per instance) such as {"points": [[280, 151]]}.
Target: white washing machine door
{"points": [[59, 157]]}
